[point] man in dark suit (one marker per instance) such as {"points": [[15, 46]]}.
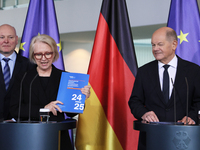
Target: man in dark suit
{"points": [[17, 65], [147, 101]]}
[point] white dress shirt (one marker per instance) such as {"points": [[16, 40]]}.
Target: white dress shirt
{"points": [[172, 73]]}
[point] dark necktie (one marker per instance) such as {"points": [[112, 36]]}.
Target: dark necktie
{"points": [[6, 72], [166, 83]]}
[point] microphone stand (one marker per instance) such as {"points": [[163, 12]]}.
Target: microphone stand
{"points": [[29, 118], [187, 101], [20, 98], [174, 102]]}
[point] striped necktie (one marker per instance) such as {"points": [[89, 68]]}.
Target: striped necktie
{"points": [[6, 73]]}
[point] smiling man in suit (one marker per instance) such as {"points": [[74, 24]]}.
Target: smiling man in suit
{"points": [[12, 64], [152, 98]]}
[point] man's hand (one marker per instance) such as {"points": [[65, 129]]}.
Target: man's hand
{"points": [[189, 120], [150, 117]]}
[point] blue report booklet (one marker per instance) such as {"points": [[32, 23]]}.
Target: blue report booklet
{"points": [[69, 92]]}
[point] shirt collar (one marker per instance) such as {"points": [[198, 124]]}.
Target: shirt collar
{"points": [[12, 56], [173, 63]]}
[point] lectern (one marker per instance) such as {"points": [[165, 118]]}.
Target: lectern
{"points": [[169, 136], [32, 136]]}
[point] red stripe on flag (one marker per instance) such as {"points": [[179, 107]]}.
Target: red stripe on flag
{"points": [[112, 81]]}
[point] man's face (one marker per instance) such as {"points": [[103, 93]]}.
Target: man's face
{"points": [[8, 40], [162, 49]]}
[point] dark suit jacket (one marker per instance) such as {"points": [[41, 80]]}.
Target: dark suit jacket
{"points": [[22, 64], [147, 95], [39, 96]]}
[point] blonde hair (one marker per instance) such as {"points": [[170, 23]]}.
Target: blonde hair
{"points": [[44, 39]]}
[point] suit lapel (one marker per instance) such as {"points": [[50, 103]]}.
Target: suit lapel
{"points": [[179, 80], [2, 83], [15, 71], [155, 81], [180, 74]]}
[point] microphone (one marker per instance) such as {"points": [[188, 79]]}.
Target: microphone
{"points": [[187, 101], [174, 101], [20, 97], [29, 113]]}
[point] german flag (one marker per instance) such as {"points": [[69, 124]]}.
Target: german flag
{"points": [[107, 123]]}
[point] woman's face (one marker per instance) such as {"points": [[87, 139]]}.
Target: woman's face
{"points": [[43, 55]]}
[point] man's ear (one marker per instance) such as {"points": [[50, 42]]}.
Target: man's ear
{"points": [[174, 45]]}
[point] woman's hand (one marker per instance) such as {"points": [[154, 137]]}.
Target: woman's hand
{"points": [[52, 107], [86, 90]]}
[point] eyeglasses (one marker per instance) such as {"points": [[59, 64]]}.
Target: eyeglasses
{"points": [[39, 56]]}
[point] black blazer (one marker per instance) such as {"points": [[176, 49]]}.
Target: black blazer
{"points": [[39, 96], [22, 64], [147, 95]]}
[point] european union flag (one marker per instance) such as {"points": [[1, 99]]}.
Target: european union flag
{"points": [[41, 19], [185, 20]]}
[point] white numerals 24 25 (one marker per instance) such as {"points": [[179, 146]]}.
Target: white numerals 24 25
{"points": [[77, 105], [75, 97]]}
